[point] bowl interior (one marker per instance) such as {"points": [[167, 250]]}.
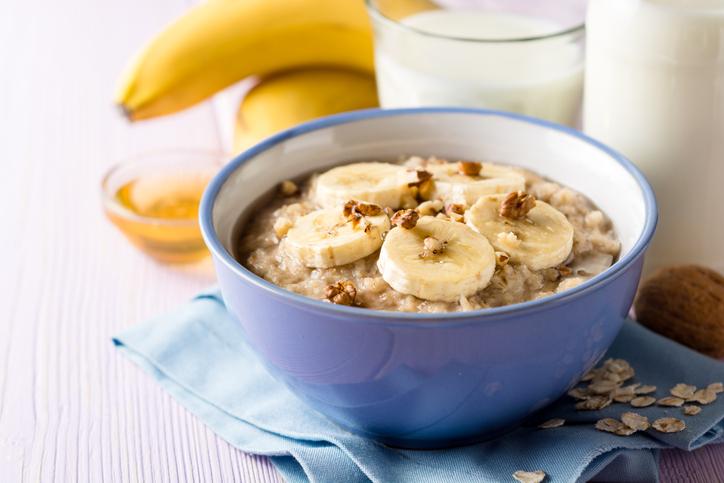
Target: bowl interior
{"points": [[558, 153]]}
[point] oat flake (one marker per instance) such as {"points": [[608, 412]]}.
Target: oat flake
{"points": [[670, 401], [593, 403], [669, 425], [635, 421], [529, 476], [703, 396], [579, 393], [716, 387], [642, 401], [691, 410], [552, 423], [683, 391], [646, 389]]}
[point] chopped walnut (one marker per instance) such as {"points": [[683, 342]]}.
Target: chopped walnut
{"points": [[501, 259], [456, 208], [288, 188], [355, 211], [426, 190], [423, 186], [341, 293], [353, 207], [420, 177], [405, 218], [469, 168], [432, 246], [516, 205]]}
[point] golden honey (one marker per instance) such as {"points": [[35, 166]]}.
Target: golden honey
{"points": [[158, 213]]}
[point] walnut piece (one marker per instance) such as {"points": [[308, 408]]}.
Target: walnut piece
{"points": [[422, 176], [423, 187], [353, 207], [431, 247], [355, 211], [456, 208], [516, 205], [469, 168], [405, 218], [501, 259], [341, 293]]}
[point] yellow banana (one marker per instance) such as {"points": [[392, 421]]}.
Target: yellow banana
{"points": [[289, 98], [220, 42]]}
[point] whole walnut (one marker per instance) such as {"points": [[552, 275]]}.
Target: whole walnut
{"points": [[685, 304]]}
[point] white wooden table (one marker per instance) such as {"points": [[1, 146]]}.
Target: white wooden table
{"points": [[72, 408]]}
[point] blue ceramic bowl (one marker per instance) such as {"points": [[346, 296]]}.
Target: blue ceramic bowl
{"points": [[431, 380]]}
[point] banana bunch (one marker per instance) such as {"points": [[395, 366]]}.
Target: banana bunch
{"points": [[433, 256], [220, 42], [314, 58]]}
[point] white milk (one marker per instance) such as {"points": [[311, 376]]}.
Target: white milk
{"points": [[655, 91], [542, 78]]}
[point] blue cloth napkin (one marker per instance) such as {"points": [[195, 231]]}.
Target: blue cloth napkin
{"points": [[199, 355]]}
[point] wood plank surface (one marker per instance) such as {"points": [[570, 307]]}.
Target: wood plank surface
{"points": [[71, 408]]}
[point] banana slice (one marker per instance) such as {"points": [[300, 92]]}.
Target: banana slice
{"points": [[436, 260], [381, 183], [327, 238], [454, 186], [542, 238]]}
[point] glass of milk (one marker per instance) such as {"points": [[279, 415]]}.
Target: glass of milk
{"points": [[655, 92], [524, 56]]}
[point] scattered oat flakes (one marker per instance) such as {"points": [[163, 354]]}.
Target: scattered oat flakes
{"points": [[642, 401], [624, 393], [616, 365], [625, 431], [691, 410], [703, 396], [590, 375], [670, 401], [716, 387], [579, 393], [645, 389], [683, 391], [529, 476], [635, 421], [603, 387], [669, 425], [623, 398], [288, 188], [552, 423], [593, 403], [609, 425]]}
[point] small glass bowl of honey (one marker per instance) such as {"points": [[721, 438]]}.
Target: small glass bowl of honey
{"points": [[154, 200]]}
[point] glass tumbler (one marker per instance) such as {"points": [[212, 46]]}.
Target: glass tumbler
{"points": [[523, 56]]}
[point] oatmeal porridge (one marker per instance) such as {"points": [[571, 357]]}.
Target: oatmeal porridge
{"points": [[427, 235]]}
